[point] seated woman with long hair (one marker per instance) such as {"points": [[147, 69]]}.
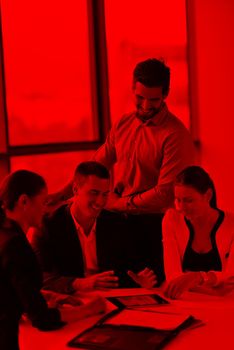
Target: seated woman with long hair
{"points": [[22, 199], [198, 237]]}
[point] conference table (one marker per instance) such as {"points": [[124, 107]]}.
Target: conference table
{"points": [[216, 332]]}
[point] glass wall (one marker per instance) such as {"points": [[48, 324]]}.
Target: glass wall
{"points": [[56, 168]]}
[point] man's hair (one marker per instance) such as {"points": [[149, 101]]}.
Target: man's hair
{"points": [[86, 169], [152, 73]]}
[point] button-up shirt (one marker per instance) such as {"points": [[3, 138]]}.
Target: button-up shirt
{"points": [[147, 156], [88, 247]]}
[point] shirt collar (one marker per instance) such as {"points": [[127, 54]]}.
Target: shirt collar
{"points": [[80, 229]]}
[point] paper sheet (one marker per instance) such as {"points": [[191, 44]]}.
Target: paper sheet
{"points": [[164, 321]]}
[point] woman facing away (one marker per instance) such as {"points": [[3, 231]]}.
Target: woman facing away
{"points": [[22, 201], [198, 238]]}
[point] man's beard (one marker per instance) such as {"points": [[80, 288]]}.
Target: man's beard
{"points": [[144, 116]]}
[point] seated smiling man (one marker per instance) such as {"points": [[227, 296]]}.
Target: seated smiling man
{"points": [[83, 247]]}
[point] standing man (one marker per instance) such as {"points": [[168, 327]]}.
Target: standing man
{"points": [[146, 148]]}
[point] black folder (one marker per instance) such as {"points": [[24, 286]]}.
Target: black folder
{"points": [[105, 335]]}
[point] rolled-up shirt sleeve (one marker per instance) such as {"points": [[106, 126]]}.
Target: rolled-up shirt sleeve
{"points": [[178, 152]]}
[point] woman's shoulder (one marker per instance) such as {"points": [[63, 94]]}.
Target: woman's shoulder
{"points": [[173, 220]]}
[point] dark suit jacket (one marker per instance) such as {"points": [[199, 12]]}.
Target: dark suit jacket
{"points": [[20, 283], [122, 243]]}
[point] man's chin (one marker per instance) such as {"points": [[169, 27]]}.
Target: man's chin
{"points": [[146, 116]]}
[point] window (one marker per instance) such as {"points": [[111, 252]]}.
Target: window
{"points": [[47, 71], [146, 29], [57, 168], [57, 58]]}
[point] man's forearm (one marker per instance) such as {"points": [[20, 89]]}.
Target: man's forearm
{"points": [[54, 199], [155, 200], [66, 192]]}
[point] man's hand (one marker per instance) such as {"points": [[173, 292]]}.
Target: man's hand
{"points": [[102, 280], [181, 284], [145, 278], [116, 202]]}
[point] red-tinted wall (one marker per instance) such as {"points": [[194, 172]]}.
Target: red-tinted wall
{"points": [[213, 59]]}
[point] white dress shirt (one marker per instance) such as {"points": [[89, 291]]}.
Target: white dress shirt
{"points": [[88, 247]]}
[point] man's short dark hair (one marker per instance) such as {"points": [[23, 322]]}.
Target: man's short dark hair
{"points": [[152, 73], [86, 169]]}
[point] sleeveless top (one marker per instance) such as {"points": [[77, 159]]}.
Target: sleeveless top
{"points": [[209, 261]]}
